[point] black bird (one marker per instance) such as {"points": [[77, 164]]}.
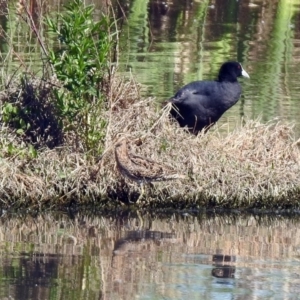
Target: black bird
{"points": [[200, 104]]}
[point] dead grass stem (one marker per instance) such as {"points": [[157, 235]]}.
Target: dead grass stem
{"points": [[254, 166]]}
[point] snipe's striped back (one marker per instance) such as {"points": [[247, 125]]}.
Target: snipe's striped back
{"points": [[141, 169]]}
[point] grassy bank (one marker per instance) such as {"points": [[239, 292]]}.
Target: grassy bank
{"points": [[255, 166], [59, 126]]}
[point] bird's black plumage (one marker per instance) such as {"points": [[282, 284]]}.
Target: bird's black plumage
{"points": [[200, 104]]}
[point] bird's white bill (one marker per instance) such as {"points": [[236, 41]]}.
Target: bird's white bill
{"points": [[244, 73]]}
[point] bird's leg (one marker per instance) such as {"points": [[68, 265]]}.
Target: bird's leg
{"points": [[141, 225], [142, 193]]}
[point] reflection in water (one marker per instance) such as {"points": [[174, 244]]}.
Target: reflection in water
{"points": [[222, 266], [3, 25], [167, 44], [32, 276], [149, 257]]}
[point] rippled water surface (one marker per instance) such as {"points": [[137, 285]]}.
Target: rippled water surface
{"points": [[168, 44], [164, 45], [142, 256]]}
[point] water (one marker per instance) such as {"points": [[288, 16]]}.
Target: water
{"points": [[143, 256], [168, 44], [178, 256]]}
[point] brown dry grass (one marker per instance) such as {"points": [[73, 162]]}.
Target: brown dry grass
{"points": [[255, 166]]}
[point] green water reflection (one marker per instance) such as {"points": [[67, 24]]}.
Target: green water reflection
{"points": [[168, 44]]}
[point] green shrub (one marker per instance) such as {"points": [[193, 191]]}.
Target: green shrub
{"points": [[72, 105], [81, 62]]}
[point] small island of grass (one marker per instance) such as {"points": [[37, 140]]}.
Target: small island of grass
{"points": [[59, 130]]}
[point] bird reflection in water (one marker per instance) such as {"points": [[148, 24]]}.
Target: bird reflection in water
{"points": [[223, 267]]}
